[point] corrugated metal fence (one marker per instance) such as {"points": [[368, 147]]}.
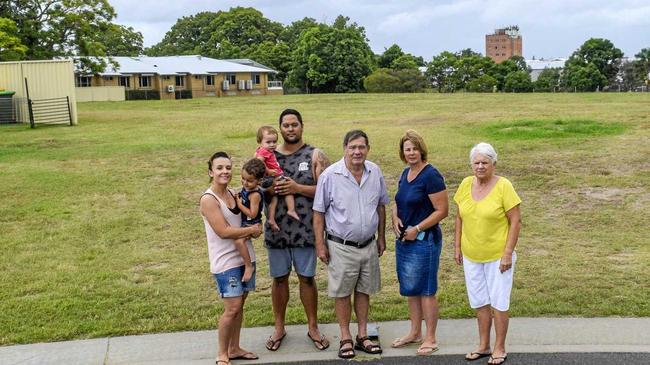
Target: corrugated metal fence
{"points": [[45, 80]]}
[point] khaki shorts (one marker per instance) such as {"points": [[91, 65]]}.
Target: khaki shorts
{"points": [[352, 269]]}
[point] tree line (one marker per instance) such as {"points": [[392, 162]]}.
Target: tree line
{"points": [[309, 56]]}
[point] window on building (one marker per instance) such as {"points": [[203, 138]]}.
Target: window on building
{"points": [[145, 81], [256, 79], [83, 81], [124, 81], [209, 80], [180, 81], [231, 78]]}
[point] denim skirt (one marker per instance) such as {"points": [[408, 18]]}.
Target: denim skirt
{"points": [[417, 266]]}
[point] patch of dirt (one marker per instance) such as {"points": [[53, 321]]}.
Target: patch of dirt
{"points": [[606, 194]]}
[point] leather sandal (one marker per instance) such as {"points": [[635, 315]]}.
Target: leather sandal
{"points": [[372, 348], [347, 353]]}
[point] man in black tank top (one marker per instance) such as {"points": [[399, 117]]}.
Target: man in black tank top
{"points": [[293, 245]]}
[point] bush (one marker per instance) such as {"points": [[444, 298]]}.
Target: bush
{"points": [[518, 82], [142, 95], [183, 94], [395, 81], [548, 80], [482, 84]]}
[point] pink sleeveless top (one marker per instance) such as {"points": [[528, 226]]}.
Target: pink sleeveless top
{"points": [[222, 252]]}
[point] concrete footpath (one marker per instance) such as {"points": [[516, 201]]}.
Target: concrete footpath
{"points": [[526, 335]]}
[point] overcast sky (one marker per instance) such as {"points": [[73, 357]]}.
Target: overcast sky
{"points": [[550, 28]]}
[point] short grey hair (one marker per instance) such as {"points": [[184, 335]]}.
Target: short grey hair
{"points": [[484, 149]]}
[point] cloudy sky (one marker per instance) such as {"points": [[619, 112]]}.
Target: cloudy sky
{"points": [[550, 28]]}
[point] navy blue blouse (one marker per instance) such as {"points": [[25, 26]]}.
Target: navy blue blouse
{"points": [[412, 198]]}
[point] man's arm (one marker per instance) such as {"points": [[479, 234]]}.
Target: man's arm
{"points": [[319, 234], [381, 230]]}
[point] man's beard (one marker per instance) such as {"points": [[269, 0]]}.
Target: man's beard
{"points": [[296, 140]]}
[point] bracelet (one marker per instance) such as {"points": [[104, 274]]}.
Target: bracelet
{"points": [[417, 226]]}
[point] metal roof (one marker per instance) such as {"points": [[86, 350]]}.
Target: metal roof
{"points": [[542, 63], [178, 65]]}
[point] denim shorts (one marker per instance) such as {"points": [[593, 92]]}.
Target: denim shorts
{"points": [[303, 259], [417, 266], [229, 282]]}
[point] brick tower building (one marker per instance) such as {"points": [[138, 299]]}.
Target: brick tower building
{"points": [[503, 44]]}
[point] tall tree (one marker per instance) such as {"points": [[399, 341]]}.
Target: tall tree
{"points": [[441, 70], [241, 27], [291, 33], [50, 28], [583, 78], [404, 62], [187, 36], [10, 47], [121, 41], [390, 54], [548, 80], [602, 54], [332, 58], [643, 59]]}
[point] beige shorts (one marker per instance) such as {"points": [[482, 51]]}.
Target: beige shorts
{"points": [[352, 269]]}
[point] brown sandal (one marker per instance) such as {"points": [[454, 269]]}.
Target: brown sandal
{"points": [[372, 348], [346, 353], [324, 344], [274, 345]]}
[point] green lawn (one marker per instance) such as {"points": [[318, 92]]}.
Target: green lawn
{"points": [[100, 233]]}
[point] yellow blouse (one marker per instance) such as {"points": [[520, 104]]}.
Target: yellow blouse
{"points": [[485, 224]]}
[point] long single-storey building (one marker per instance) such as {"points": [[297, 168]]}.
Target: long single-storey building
{"points": [[182, 77]]}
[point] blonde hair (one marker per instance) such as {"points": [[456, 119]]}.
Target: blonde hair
{"points": [[418, 142], [265, 129]]}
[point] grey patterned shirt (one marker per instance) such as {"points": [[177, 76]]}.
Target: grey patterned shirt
{"points": [[297, 166]]}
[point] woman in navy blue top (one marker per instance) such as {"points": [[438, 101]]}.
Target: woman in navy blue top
{"points": [[421, 203]]}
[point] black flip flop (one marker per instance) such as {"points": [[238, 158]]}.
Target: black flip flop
{"points": [[480, 355], [492, 358], [251, 356]]}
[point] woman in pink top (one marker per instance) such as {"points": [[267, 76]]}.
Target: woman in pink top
{"points": [[228, 255], [267, 138]]}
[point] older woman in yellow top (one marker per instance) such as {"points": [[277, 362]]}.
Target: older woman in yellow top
{"points": [[487, 229]]}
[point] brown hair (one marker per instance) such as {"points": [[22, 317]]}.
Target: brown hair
{"points": [[216, 155], [265, 129], [413, 137], [255, 167]]}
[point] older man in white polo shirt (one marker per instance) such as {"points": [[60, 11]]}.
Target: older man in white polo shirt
{"points": [[349, 208]]}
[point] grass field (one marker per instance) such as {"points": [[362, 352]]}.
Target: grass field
{"points": [[100, 233]]}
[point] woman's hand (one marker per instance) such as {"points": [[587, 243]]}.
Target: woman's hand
{"points": [[506, 262], [458, 255], [257, 230], [410, 234], [397, 226]]}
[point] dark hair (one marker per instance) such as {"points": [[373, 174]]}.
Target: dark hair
{"points": [[290, 112], [255, 167], [265, 129], [216, 155], [354, 134]]}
